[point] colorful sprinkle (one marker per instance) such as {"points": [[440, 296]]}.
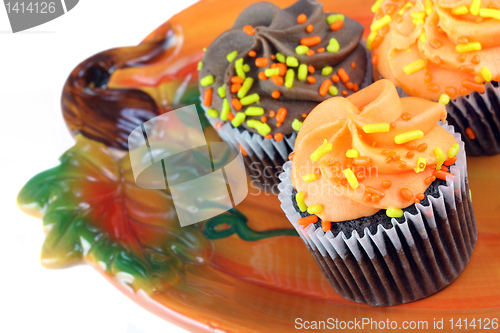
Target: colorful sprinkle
{"points": [[281, 115], [254, 111], [326, 70], [315, 209], [276, 94], [207, 97], [207, 80], [238, 66], [444, 99], [280, 57], [453, 151], [310, 41], [460, 10], [310, 177], [236, 104], [487, 76], [308, 219], [238, 119], [299, 198], [321, 151], [249, 30], [333, 91], [212, 113], [440, 157], [394, 212], [337, 25], [245, 87], [333, 45], [296, 124], [334, 18], [489, 13], [221, 91], [272, 72], [414, 66], [376, 128], [351, 178], [301, 49], [225, 109], [250, 99], [261, 62], [292, 62], [302, 72], [230, 57], [325, 86], [301, 19], [380, 23], [475, 6], [289, 77], [376, 6], [352, 153], [475, 46], [200, 65], [408, 136], [261, 127], [420, 165]]}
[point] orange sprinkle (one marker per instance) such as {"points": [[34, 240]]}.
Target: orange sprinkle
{"points": [[470, 133], [463, 91], [450, 91], [269, 136], [462, 40], [411, 145], [349, 85], [386, 184], [310, 41], [218, 124], [355, 87], [367, 197], [308, 220], [420, 196], [476, 59], [433, 87], [263, 119], [272, 113], [437, 60], [311, 79], [450, 161], [410, 154], [385, 152], [235, 87], [236, 79], [278, 136], [479, 87], [304, 115], [429, 180], [375, 198], [440, 174], [252, 54], [272, 56], [282, 68], [310, 53], [416, 201], [345, 93], [335, 78], [337, 25], [278, 124], [427, 77], [323, 89], [405, 116], [407, 194], [236, 104], [207, 97], [249, 30], [466, 68], [401, 164], [326, 225], [310, 28], [392, 124], [353, 65], [375, 60], [344, 77], [311, 69], [243, 151], [276, 94], [436, 43], [373, 190], [362, 160], [278, 80], [301, 19], [321, 50], [261, 62], [280, 116], [377, 41], [290, 157], [262, 76], [230, 116], [422, 147]]}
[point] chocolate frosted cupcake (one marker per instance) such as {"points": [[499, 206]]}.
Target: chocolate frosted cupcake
{"points": [[378, 191], [446, 51], [260, 79]]}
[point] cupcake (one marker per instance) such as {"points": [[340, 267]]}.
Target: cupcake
{"points": [[446, 51], [260, 79], [378, 191]]}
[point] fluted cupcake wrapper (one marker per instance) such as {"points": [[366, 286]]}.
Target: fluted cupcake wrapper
{"points": [[404, 263], [265, 157]]}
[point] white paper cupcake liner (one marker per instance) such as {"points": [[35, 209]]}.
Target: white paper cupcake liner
{"points": [[406, 262]]}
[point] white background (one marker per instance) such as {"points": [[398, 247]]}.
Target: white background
{"points": [[34, 65]]}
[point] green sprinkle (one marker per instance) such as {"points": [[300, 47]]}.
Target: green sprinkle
{"points": [[238, 119], [250, 99], [222, 91], [334, 18], [302, 73], [245, 87], [230, 57], [470, 195], [280, 57], [207, 80], [200, 65], [299, 198], [261, 127], [292, 62], [333, 46], [326, 71], [225, 109], [289, 76], [333, 91], [296, 124], [272, 71], [246, 68], [301, 49], [254, 111], [212, 113], [238, 65], [204, 49]]}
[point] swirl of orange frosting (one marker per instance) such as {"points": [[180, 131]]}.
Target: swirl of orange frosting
{"points": [[437, 49], [333, 146]]}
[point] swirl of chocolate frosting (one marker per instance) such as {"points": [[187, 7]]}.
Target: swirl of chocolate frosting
{"points": [[306, 45]]}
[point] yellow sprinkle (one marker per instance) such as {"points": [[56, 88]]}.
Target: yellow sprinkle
{"points": [[408, 136], [475, 46], [315, 209], [309, 177], [444, 99], [453, 151], [352, 153], [421, 164], [422, 37], [440, 157], [407, 5], [414, 66], [394, 212], [428, 7], [460, 10], [376, 5], [485, 72], [418, 15], [408, 50], [474, 7], [418, 21], [488, 12], [299, 198], [470, 195], [370, 39], [376, 128], [380, 23], [351, 178], [321, 150]]}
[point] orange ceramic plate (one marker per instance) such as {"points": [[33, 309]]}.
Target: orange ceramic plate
{"points": [[267, 285]]}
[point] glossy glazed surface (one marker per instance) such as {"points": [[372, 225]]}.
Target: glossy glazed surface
{"points": [[91, 210]]}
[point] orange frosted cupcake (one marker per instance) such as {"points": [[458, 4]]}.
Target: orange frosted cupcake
{"points": [[378, 191], [446, 51]]}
